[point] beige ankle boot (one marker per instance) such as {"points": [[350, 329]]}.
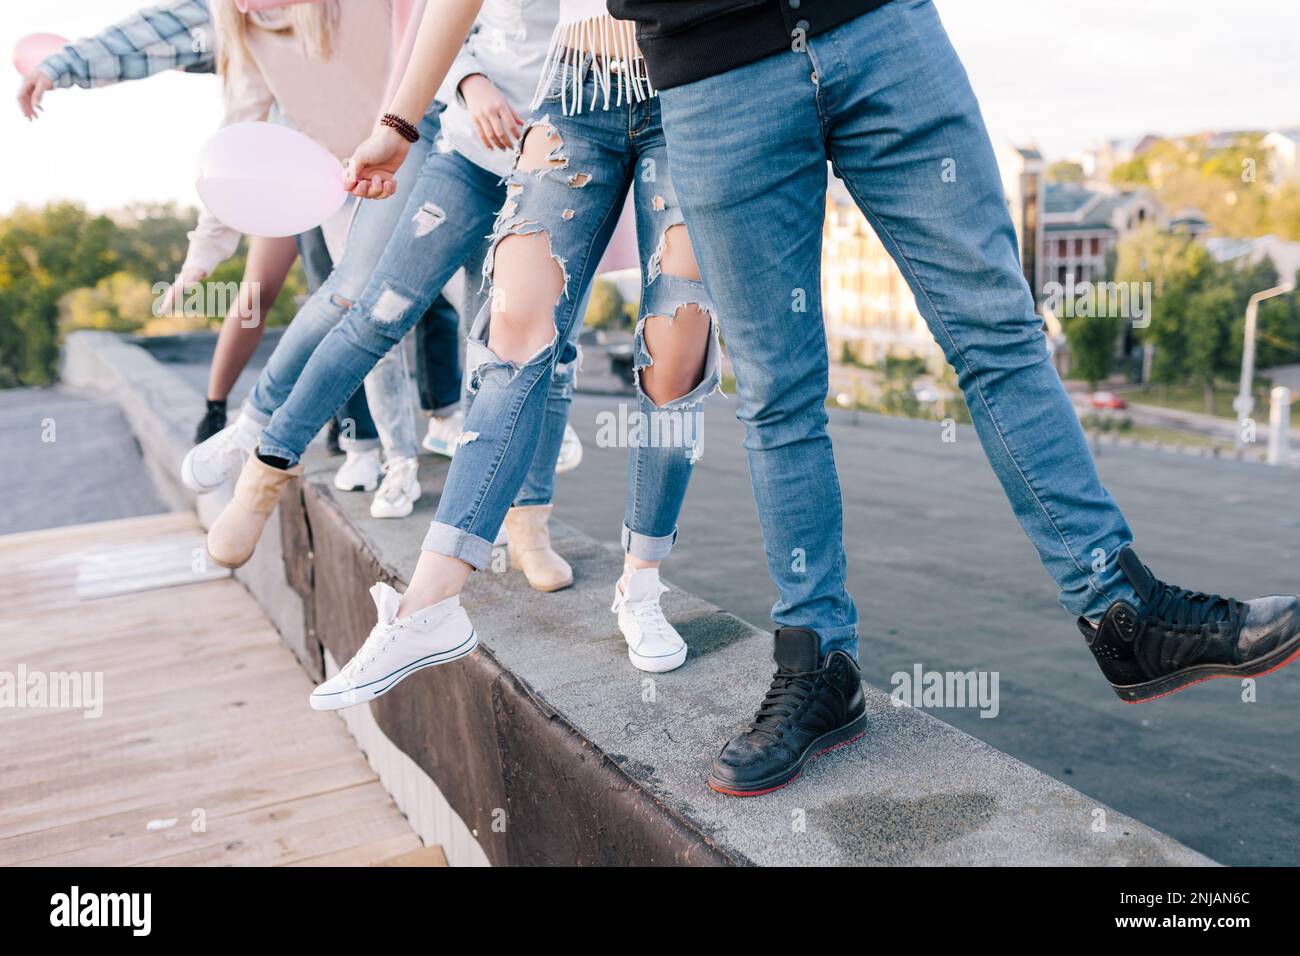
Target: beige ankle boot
{"points": [[530, 548], [234, 534]]}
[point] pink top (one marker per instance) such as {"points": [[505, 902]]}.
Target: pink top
{"points": [[334, 101]]}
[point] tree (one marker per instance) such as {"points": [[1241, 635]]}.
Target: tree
{"points": [[605, 307], [1277, 335], [1092, 341], [1177, 267], [1064, 171], [63, 268], [43, 254], [1210, 318]]}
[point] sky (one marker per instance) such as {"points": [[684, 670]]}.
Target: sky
{"points": [[1060, 74]]}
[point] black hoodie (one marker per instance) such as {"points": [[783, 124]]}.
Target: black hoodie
{"points": [[688, 40]]}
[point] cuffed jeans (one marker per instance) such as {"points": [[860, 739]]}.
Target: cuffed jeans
{"points": [[885, 99]]}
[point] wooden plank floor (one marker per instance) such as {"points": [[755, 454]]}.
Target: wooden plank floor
{"points": [[205, 752]]}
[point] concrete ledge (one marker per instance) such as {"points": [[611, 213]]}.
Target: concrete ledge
{"points": [[548, 748]]}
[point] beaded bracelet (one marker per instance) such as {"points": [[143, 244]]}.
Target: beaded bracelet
{"points": [[404, 129]]}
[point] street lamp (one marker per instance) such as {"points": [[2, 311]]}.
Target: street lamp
{"points": [[1244, 403]]}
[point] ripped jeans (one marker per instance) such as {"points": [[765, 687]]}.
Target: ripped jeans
{"points": [[387, 386], [594, 158], [448, 211]]}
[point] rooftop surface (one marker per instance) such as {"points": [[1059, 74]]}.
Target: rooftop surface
{"points": [[945, 579]]}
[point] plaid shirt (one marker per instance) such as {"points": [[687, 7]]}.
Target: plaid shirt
{"points": [[173, 35]]}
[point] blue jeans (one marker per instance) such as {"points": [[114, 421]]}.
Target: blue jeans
{"points": [[448, 211], [356, 426], [598, 155], [539, 485], [885, 99], [387, 386]]}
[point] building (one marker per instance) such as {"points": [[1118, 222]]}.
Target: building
{"points": [[1284, 148], [1082, 225], [1243, 253], [869, 309], [1100, 161], [1063, 230], [1023, 171]]}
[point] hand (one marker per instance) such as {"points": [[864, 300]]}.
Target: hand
{"points": [[497, 124], [176, 291], [371, 171], [34, 86]]}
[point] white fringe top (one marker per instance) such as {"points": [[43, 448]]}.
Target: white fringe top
{"points": [[586, 28]]}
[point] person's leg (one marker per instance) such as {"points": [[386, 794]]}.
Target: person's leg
{"points": [[375, 222], [749, 165], [527, 523], [413, 269], [210, 464], [437, 350], [265, 269], [539, 484], [676, 363], [415, 265], [754, 203], [438, 370], [562, 201], [922, 170]]}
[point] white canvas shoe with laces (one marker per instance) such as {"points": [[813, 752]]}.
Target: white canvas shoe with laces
{"points": [[652, 643], [209, 464], [396, 649]]}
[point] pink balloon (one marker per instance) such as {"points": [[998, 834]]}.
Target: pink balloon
{"points": [[269, 180], [32, 49]]}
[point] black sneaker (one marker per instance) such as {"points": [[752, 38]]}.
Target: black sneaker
{"points": [[1178, 638], [214, 419], [808, 710]]}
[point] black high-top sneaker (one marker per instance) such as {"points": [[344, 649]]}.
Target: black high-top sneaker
{"points": [[213, 420], [808, 710], [1178, 638]]}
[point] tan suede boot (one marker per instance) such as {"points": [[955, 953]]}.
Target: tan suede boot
{"points": [[530, 548], [233, 536]]}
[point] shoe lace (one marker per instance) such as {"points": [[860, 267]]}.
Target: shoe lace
{"points": [[647, 614], [396, 475], [789, 691], [650, 620], [1185, 609], [375, 644]]}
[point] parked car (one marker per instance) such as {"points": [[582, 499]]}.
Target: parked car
{"points": [[1106, 400]]}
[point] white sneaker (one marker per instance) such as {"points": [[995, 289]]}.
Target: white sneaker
{"points": [[399, 491], [652, 643], [570, 451], [444, 433], [396, 649], [208, 465], [360, 471]]}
